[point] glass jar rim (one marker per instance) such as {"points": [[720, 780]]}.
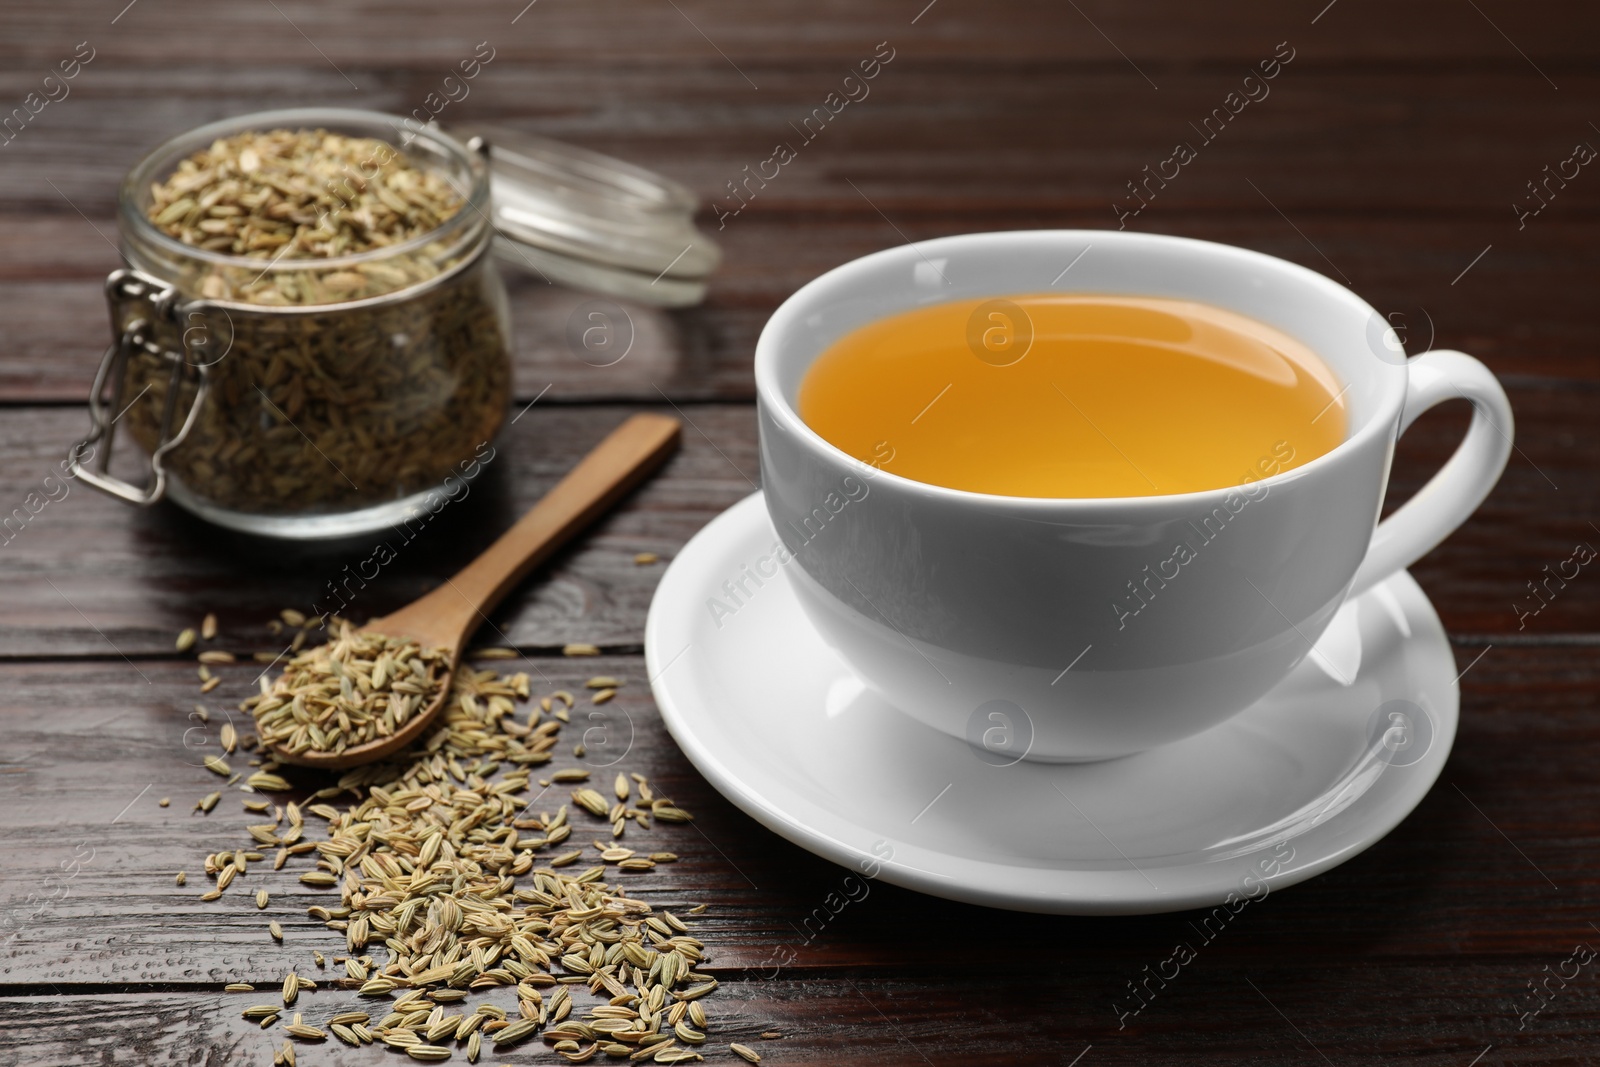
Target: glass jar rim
{"points": [[173, 150]]}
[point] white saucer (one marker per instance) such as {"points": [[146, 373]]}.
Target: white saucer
{"points": [[1306, 778]]}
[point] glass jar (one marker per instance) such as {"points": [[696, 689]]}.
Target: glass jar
{"points": [[305, 397], [312, 398]]}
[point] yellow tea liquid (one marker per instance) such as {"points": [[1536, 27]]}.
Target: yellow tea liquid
{"points": [[1074, 396]]}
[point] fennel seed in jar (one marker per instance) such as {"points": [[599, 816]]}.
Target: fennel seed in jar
{"points": [[298, 194], [352, 330]]}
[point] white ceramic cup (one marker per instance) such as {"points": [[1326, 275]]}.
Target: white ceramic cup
{"points": [[967, 610]]}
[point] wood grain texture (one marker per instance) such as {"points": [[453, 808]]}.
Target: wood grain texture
{"points": [[1348, 1015], [592, 591], [1521, 309], [614, 34], [1351, 956], [622, 461], [91, 576], [1389, 154], [1379, 177]]}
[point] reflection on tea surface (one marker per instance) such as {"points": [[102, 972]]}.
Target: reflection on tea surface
{"points": [[1074, 396]]}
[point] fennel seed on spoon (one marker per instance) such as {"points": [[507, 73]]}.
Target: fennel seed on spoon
{"points": [[356, 688]]}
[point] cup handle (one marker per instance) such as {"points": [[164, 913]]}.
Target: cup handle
{"points": [[1455, 492]]}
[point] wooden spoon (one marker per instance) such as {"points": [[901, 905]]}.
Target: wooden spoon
{"points": [[447, 617]]}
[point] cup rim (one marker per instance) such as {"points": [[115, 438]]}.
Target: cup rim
{"points": [[771, 399]]}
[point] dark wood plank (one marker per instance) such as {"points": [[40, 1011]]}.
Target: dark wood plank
{"points": [[409, 34], [59, 332], [1389, 154], [138, 721], [91, 576], [1483, 845], [940, 148], [1463, 879], [133, 725], [1350, 1015], [1515, 309], [592, 591], [971, 134]]}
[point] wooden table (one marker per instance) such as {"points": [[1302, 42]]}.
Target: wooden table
{"points": [[1391, 153]]}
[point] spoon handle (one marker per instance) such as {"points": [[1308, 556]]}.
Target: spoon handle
{"points": [[450, 613]]}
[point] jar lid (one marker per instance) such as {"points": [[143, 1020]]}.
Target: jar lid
{"points": [[594, 222]]}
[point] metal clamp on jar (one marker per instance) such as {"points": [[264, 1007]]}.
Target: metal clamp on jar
{"points": [[324, 397]]}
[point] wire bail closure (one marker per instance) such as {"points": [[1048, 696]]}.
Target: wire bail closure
{"points": [[140, 306]]}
